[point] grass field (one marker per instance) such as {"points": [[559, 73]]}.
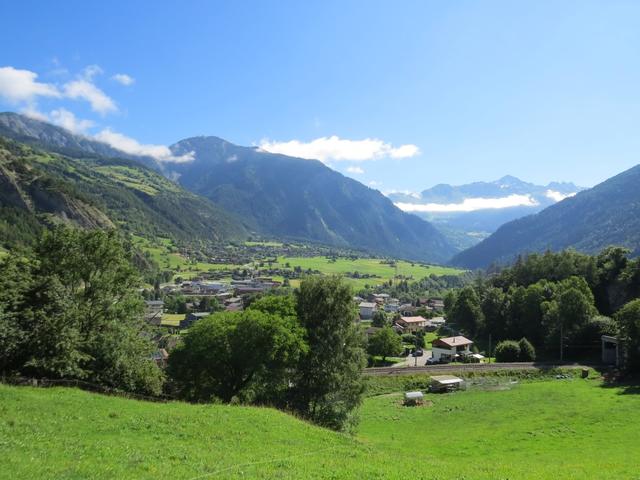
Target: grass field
{"points": [[551, 429], [370, 266], [161, 252]]}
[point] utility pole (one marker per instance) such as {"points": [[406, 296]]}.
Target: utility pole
{"points": [[489, 348], [561, 342]]}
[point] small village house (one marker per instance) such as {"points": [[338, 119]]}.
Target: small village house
{"points": [[451, 348], [366, 310], [412, 324], [192, 318], [154, 310]]}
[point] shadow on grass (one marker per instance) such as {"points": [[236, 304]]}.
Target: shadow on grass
{"points": [[625, 384]]}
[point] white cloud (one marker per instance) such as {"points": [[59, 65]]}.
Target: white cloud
{"points": [[68, 120], [335, 148], [133, 147], [557, 196], [91, 71], [32, 112], [84, 89], [471, 204], [123, 79], [373, 183], [22, 86], [356, 170]]}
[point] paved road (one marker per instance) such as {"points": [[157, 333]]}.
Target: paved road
{"points": [[410, 361], [469, 367]]}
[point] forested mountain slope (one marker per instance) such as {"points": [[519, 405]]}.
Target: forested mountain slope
{"points": [[40, 188]]}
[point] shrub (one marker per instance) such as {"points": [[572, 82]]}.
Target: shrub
{"points": [[527, 352], [507, 351]]}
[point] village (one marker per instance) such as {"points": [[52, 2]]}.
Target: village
{"points": [[411, 322]]}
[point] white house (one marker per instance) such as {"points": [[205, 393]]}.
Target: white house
{"points": [[446, 349], [366, 310]]}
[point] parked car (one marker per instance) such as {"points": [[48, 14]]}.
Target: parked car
{"points": [[417, 353], [432, 361]]}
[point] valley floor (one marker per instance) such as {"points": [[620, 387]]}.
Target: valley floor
{"points": [[560, 429]]}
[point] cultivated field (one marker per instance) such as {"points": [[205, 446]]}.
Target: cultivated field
{"points": [[543, 429]]}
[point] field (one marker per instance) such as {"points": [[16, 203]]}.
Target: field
{"points": [[382, 272], [377, 269], [551, 429], [161, 253]]}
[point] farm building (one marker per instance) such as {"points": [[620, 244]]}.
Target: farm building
{"points": [[413, 398], [445, 383], [611, 350], [451, 348]]}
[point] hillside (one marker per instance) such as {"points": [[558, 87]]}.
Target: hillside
{"points": [[83, 435], [607, 214], [41, 188], [303, 200], [550, 429]]}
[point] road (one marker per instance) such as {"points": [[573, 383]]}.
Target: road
{"points": [[469, 367]]}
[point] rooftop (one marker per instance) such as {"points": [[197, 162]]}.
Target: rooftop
{"points": [[453, 341], [417, 319]]}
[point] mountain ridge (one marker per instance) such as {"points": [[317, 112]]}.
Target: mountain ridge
{"points": [[607, 214]]}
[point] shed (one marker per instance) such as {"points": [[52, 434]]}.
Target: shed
{"points": [[413, 398], [445, 383]]}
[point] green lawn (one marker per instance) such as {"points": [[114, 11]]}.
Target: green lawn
{"points": [[551, 429]]}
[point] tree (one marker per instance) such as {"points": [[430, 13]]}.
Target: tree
{"points": [[245, 355], [328, 384], [379, 319], [466, 312], [385, 342], [527, 351], [494, 311], [282, 305], [507, 351], [628, 318], [76, 312]]}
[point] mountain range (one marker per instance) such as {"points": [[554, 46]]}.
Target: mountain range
{"points": [[300, 199], [466, 214], [240, 189], [607, 214]]}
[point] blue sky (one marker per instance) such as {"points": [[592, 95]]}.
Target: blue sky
{"points": [[455, 91]]}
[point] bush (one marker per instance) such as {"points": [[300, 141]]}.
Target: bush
{"points": [[527, 352], [507, 351]]}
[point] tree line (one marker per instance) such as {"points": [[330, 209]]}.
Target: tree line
{"points": [[559, 302]]}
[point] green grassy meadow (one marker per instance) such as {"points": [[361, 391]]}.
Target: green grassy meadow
{"points": [[371, 266], [161, 251], [542, 429]]}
